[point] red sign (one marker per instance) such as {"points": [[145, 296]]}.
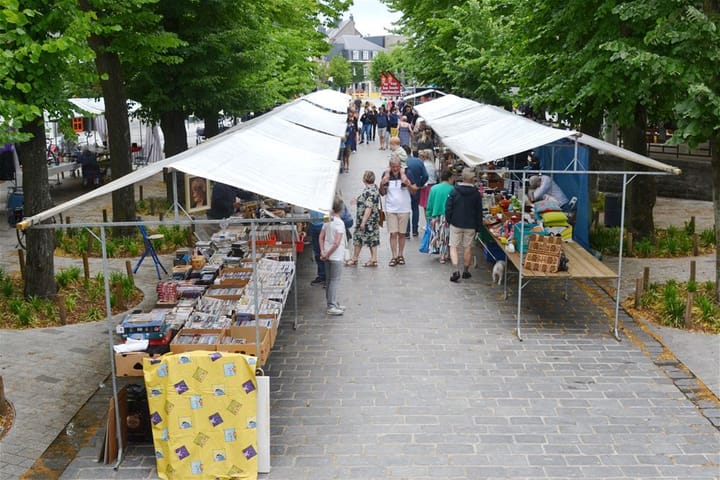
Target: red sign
{"points": [[390, 86]]}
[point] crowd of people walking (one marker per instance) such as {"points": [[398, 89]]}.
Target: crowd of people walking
{"points": [[415, 180]]}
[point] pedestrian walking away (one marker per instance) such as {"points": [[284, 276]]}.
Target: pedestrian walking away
{"points": [[463, 211]]}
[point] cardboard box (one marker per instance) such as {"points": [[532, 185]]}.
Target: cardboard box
{"points": [[130, 364], [180, 344], [249, 347]]}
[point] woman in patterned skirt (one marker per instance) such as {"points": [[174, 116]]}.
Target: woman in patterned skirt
{"points": [[436, 212], [367, 221]]}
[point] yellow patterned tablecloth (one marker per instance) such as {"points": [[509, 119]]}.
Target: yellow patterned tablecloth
{"points": [[203, 414]]}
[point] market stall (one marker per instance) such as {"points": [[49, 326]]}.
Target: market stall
{"points": [[288, 154], [481, 134]]}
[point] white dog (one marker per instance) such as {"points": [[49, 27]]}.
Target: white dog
{"points": [[498, 272]]}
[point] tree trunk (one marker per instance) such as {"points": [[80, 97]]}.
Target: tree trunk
{"points": [[715, 169], [113, 88], [173, 126], [211, 124], [40, 268], [642, 191]]}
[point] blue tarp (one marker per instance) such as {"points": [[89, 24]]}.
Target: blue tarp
{"points": [[559, 156]]}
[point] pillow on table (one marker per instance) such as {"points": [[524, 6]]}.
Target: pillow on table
{"points": [[554, 219]]}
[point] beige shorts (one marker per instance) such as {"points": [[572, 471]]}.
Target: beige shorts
{"points": [[461, 237], [397, 222]]}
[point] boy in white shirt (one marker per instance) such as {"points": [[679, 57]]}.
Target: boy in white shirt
{"points": [[332, 252]]}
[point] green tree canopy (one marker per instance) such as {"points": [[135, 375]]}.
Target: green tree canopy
{"points": [[340, 71]]}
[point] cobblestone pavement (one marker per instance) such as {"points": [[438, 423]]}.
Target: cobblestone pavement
{"points": [[422, 378]]}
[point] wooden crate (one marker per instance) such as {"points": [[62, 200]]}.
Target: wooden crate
{"points": [[543, 254]]}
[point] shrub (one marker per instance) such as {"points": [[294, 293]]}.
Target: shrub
{"points": [[707, 237], [70, 302], [94, 313], [65, 277], [644, 248], [707, 308], [25, 316], [673, 306], [7, 287], [605, 239], [111, 247], [15, 305]]}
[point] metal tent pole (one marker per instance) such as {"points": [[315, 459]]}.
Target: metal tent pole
{"points": [[519, 249], [256, 296], [108, 309], [625, 182]]}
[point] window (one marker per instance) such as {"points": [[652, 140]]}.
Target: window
{"points": [[355, 55], [366, 55], [375, 53]]}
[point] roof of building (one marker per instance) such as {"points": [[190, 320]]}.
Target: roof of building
{"points": [[356, 42], [346, 27]]}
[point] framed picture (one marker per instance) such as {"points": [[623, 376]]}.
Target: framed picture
{"points": [[197, 193]]}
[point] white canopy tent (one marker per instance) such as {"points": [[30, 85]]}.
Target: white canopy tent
{"points": [[289, 154], [96, 106], [479, 133], [430, 91]]}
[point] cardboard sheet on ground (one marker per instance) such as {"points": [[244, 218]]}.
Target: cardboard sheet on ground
{"points": [[203, 414]]}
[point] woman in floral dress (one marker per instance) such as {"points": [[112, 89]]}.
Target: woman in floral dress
{"points": [[435, 210], [367, 219]]}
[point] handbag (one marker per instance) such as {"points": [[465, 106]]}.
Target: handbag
{"points": [[381, 212]]}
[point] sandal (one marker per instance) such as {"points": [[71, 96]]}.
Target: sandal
{"points": [[351, 263], [401, 260], [370, 264], [393, 262]]}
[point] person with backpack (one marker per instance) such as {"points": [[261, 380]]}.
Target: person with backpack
{"points": [[381, 121], [417, 170], [464, 213]]}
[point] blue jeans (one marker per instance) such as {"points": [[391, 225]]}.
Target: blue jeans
{"points": [[315, 238], [415, 208], [366, 132]]}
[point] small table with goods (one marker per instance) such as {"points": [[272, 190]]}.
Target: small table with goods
{"points": [[538, 246]]}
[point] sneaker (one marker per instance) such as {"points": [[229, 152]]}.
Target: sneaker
{"points": [[334, 311], [415, 234], [407, 235], [340, 307], [466, 274], [318, 281], [455, 277]]}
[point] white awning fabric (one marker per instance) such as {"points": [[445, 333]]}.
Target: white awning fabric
{"points": [[329, 99], [479, 133], [422, 94], [288, 154], [96, 106]]}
